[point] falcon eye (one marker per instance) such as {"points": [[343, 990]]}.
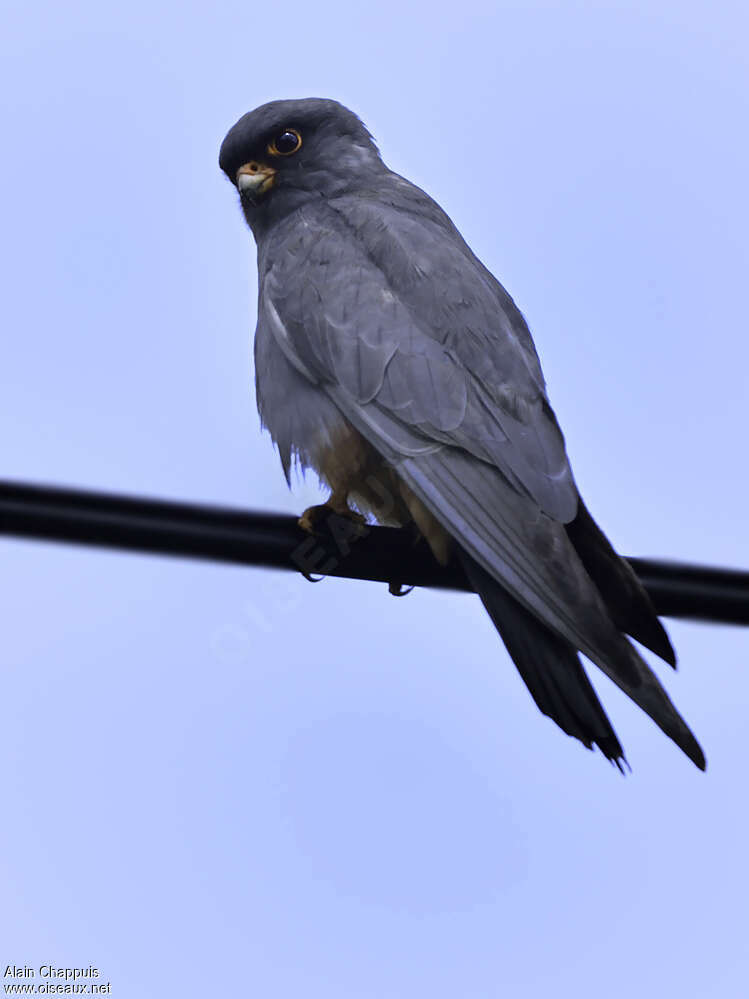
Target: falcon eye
{"points": [[285, 143]]}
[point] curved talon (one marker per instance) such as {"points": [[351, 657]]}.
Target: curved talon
{"points": [[310, 578], [399, 590]]}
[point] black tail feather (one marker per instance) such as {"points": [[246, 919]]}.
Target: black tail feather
{"points": [[625, 597], [549, 666]]}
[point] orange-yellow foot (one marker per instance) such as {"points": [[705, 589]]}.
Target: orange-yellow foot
{"points": [[315, 517]]}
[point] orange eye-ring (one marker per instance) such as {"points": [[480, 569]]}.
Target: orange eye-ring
{"points": [[285, 143]]}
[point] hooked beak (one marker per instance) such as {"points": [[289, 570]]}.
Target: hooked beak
{"points": [[255, 179]]}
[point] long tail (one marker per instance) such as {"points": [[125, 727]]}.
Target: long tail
{"points": [[553, 673], [535, 559], [549, 665]]}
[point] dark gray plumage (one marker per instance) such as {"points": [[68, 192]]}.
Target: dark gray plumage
{"points": [[392, 362]]}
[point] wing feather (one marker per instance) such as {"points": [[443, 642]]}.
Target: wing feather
{"points": [[421, 333]]}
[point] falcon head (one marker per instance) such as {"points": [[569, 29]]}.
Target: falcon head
{"points": [[286, 152]]}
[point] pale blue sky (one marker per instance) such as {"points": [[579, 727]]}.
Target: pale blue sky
{"points": [[224, 781]]}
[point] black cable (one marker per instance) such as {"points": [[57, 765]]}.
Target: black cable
{"points": [[383, 554]]}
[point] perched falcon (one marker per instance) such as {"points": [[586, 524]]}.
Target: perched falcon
{"points": [[390, 361]]}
